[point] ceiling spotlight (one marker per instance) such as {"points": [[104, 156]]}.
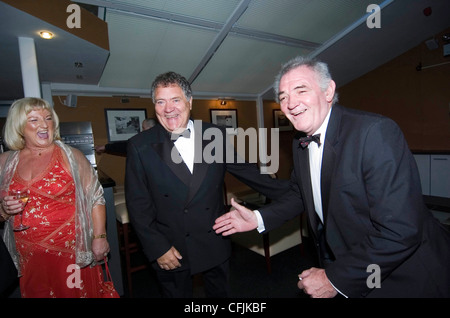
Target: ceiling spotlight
{"points": [[46, 35], [223, 102]]}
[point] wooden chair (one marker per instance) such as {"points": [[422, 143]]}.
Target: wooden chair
{"points": [[253, 200]]}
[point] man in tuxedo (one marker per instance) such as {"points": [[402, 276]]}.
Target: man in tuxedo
{"points": [[173, 195], [357, 181]]}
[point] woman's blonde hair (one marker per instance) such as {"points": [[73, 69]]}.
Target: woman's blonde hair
{"points": [[17, 119]]}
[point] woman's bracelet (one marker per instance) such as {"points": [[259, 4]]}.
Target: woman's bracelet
{"points": [[3, 215], [100, 236]]}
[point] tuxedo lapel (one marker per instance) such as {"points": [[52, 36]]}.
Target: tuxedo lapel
{"points": [[306, 188], [329, 158], [167, 151], [327, 169], [200, 167]]}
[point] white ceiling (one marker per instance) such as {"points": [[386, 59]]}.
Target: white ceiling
{"points": [[226, 48]]}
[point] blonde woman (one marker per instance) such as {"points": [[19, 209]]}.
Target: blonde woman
{"points": [[65, 211]]}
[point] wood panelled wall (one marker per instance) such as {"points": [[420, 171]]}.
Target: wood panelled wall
{"points": [[419, 101], [93, 109]]}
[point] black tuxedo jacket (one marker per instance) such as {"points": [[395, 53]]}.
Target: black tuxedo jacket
{"points": [[168, 206], [373, 210]]}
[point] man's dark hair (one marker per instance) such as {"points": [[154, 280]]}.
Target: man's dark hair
{"points": [[171, 78]]}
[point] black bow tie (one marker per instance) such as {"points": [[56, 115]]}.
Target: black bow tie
{"points": [[186, 134], [304, 141]]}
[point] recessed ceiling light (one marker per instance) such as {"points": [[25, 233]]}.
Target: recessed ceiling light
{"points": [[46, 35]]}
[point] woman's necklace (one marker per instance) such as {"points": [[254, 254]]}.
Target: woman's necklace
{"points": [[41, 151]]}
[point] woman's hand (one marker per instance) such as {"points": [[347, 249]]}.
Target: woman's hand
{"points": [[11, 206], [100, 248], [100, 245]]}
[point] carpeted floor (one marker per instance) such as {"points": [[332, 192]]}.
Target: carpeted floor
{"points": [[249, 275]]}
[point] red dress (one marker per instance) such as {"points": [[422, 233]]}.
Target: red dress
{"points": [[47, 248]]}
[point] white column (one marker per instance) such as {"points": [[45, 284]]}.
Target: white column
{"points": [[47, 92], [29, 67]]}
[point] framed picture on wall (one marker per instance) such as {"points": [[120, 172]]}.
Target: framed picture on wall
{"points": [[122, 124], [226, 118], [281, 121]]}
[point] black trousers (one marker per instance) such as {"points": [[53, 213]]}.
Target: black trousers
{"points": [[8, 272], [179, 284]]}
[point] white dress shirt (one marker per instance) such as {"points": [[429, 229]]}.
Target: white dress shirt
{"points": [[185, 147], [315, 165]]}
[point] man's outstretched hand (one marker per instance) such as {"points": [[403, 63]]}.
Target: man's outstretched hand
{"points": [[238, 220]]}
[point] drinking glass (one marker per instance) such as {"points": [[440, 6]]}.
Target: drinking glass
{"points": [[22, 195]]}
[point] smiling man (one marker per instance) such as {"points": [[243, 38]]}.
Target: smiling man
{"points": [[173, 203], [173, 103], [357, 181], [306, 97]]}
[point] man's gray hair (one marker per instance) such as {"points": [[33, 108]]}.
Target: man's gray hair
{"points": [[320, 68], [168, 79]]}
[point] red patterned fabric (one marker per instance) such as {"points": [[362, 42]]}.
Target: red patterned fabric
{"points": [[47, 248]]}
